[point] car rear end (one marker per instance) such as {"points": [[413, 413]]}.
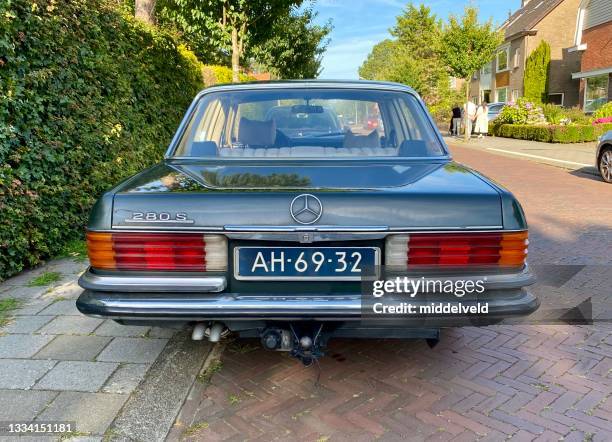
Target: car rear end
{"points": [[280, 235]]}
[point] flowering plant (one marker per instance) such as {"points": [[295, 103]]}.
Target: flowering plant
{"points": [[603, 120], [522, 112]]}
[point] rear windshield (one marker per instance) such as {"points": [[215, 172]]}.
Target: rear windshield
{"points": [[309, 123]]}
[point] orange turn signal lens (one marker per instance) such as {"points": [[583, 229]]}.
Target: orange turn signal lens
{"points": [[100, 250]]}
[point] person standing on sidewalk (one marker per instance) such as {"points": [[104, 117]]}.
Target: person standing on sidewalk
{"points": [[456, 120], [482, 120], [470, 108]]}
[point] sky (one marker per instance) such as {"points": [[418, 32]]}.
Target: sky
{"points": [[360, 24]]}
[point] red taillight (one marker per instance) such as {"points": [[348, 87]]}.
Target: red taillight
{"points": [[157, 251], [458, 249]]}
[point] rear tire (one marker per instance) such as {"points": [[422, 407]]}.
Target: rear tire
{"points": [[605, 164]]}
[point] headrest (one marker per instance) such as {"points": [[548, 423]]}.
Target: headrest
{"points": [[256, 133], [413, 148], [204, 149], [371, 140]]}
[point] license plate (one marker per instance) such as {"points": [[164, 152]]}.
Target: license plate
{"points": [[302, 263]]}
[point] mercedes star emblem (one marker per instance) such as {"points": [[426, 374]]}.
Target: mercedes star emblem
{"points": [[306, 209]]}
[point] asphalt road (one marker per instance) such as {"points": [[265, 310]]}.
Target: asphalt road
{"points": [[523, 382]]}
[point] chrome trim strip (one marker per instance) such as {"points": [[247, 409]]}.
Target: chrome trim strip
{"points": [[322, 228], [160, 221], [202, 229], [242, 230], [177, 284]]}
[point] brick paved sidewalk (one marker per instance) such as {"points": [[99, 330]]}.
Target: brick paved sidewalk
{"points": [[516, 382]]}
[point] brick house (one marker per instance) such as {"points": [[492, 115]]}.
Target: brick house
{"points": [[593, 40], [554, 21]]}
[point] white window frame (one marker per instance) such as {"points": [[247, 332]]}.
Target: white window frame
{"points": [[505, 49], [578, 45], [497, 94], [562, 97], [516, 62], [586, 88], [516, 94]]}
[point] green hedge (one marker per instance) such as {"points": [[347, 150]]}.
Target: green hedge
{"points": [[551, 133], [88, 96], [216, 74]]}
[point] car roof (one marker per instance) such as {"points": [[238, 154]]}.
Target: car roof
{"points": [[301, 84]]}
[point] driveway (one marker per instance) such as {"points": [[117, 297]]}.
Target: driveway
{"points": [[517, 381]]}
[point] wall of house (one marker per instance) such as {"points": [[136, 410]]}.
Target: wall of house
{"points": [[517, 73], [558, 30], [598, 53]]}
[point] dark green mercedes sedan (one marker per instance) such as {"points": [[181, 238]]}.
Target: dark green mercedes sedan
{"points": [[296, 212]]}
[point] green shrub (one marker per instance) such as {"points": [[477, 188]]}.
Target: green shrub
{"points": [[88, 96], [551, 133], [604, 111], [554, 114], [215, 74], [577, 116], [537, 68]]}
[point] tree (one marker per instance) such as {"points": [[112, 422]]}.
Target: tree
{"points": [[466, 46], [296, 46], [411, 57], [145, 10], [226, 27], [418, 30], [377, 64], [537, 69]]}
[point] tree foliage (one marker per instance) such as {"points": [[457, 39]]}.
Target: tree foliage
{"points": [[466, 46], [88, 96], [229, 31], [537, 68], [411, 57], [296, 46]]}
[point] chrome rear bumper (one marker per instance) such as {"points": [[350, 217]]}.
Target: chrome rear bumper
{"points": [[254, 307]]}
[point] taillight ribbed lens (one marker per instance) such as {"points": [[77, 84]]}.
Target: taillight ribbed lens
{"points": [[186, 252], [457, 249]]}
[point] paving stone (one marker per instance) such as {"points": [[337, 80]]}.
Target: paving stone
{"points": [[24, 292], [26, 276], [21, 346], [66, 308], [112, 328], [32, 307], [159, 332], [68, 290], [23, 405], [26, 324], [68, 266], [137, 350], [22, 374], [92, 412], [73, 348], [77, 376], [126, 378], [71, 325]]}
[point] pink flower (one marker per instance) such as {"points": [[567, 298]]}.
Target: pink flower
{"points": [[603, 120]]}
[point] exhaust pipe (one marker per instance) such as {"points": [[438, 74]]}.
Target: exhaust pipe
{"points": [[198, 332], [215, 332]]}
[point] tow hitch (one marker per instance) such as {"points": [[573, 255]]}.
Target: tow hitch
{"points": [[303, 343]]}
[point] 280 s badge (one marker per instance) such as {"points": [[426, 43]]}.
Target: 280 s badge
{"points": [[160, 217]]}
